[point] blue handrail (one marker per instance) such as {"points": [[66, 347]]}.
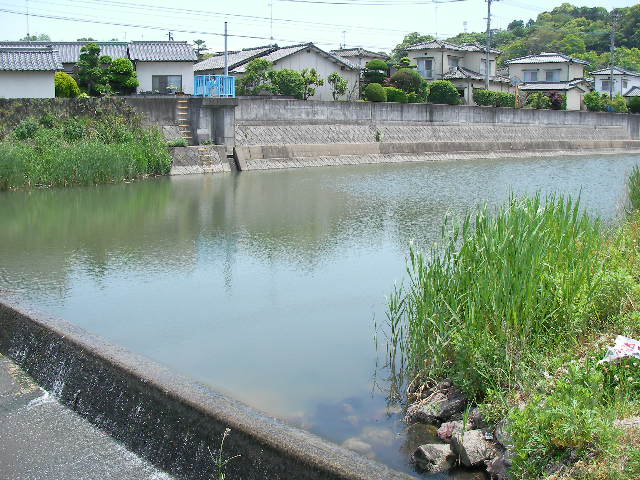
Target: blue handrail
{"points": [[214, 86]]}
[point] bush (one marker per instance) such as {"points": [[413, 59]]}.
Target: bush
{"points": [[257, 78], [73, 130], [288, 82], [66, 86], [47, 120], [377, 64], [558, 101], [618, 104], [122, 76], [375, 71], [539, 101], [407, 79], [396, 95], [412, 97], [26, 129], [595, 102], [485, 98], [634, 105], [178, 142], [443, 91], [338, 85], [374, 92], [505, 99]]}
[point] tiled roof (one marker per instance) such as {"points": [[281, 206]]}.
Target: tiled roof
{"points": [[633, 92], [443, 44], [234, 59], [616, 71], [162, 52], [461, 73], [546, 57], [553, 85], [29, 59], [70, 51], [358, 52]]}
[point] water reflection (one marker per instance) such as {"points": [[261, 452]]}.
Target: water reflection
{"points": [[265, 285]]}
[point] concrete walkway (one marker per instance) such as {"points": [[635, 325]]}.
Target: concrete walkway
{"points": [[40, 439]]}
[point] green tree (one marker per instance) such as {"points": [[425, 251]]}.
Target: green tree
{"points": [[595, 102], [400, 50], [86, 39], [288, 82], [122, 76], [65, 85], [634, 105], [257, 78], [572, 43], [338, 85], [375, 71], [311, 80], [93, 70], [201, 47], [408, 80], [43, 37]]}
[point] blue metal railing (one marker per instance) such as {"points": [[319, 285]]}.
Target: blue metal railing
{"points": [[214, 86]]}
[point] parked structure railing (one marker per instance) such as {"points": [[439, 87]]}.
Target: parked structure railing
{"points": [[214, 86]]}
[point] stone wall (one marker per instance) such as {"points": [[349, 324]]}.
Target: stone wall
{"points": [[199, 159]]}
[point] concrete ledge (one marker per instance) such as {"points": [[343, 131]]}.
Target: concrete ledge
{"points": [[164, 417]]}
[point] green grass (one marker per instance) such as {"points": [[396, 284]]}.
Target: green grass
{"points": [[516, 306], [80, 152]]}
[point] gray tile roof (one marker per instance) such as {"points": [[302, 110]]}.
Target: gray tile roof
{"points": [[234, 59], [443, 44], [358, 52], [546, 57], [29, 59], [462, 73], [633, 92], [616, 71], [576, 83], [162, 52], [70, 51]]}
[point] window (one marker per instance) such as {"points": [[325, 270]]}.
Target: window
{"points": [[483, 66], [625, 84], [453, 63], [606, 85], [425, 67], [552, 75], [166, 83], [530, 75]]}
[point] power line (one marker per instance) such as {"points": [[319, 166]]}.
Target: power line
{"points": [[381, 3]]}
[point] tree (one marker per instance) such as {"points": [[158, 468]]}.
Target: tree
{"points": [[122, 76], [93, 74], [400, 50], [572, 43], [43, 37], [288, 82], [86, 39], [65, 85], [311, 80], [515, 24], [408, 80], [200, 48], [338, 85], [257, 78], [375, 71]]}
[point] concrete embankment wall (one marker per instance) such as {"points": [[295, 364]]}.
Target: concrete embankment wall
{"points": [[289, 133], [163, 417]]}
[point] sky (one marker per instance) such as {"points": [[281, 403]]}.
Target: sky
{"points": [[372, 24]]}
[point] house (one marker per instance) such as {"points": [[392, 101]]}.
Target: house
{"points": [[633, 92], [28, 72], [358, 56], [294, 57], [551, 72], [159, 64], [465, 65], [623, 81]]}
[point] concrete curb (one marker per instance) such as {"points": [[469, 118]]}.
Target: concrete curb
{"points": [[164, 417]]}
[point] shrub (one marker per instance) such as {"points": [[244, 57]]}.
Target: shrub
{"points": [[377, 64], [374, 92], [484, 98], [177, 142], [257, 78], [26, 129], [558, 101], [375, 71], [618, 104], [66, 86], [122, 76], [288, 82], [634, 105], [73, 130], [538, 100], [595, 102], [505, 99], [338, 85], [396, 95], [412, 97], [443, 91], [47, 120], [311, 80], [407, 79]]}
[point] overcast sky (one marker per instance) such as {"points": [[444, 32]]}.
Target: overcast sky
{"points": [[373, 24]]}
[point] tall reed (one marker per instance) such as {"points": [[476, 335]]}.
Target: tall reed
{"points": [[503, 290], [633, 188]]}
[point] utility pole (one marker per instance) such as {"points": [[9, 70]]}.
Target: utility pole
{"points": [[271, 20], [170, 37], [615, 15], [344, 39], [226, 53], [488, 65], [28, 39]]}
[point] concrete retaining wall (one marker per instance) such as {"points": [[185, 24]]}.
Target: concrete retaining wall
{"points": [[164, 417], [199, 159]]}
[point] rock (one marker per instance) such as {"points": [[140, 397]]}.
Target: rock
{"points": [[476, 420], [502, 436], [472, 448], [439, 406], [433, 457], [448, 429], [418, 434], [628, 423], [498, 467]]}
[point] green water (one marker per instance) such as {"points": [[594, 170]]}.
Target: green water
{"points": [[267, 285]]}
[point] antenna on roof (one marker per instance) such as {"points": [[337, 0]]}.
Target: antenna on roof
{"points": [[170, 37]]}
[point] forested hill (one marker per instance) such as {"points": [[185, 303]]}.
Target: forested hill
{"points": [[583, 32]]}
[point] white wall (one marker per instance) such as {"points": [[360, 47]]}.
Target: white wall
{"points": [[309, 58], [517, 70], [617, 85], [470, 60], [146, 70], [27, 84]]}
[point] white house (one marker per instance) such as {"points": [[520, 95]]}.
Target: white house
{"points": [[28, 72], [623, 81], [294, 57], [359, 56], [465, 65], [163, 66], [551, 72]]}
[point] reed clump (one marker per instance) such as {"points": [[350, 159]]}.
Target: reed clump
{"points": [[59, 151]]}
